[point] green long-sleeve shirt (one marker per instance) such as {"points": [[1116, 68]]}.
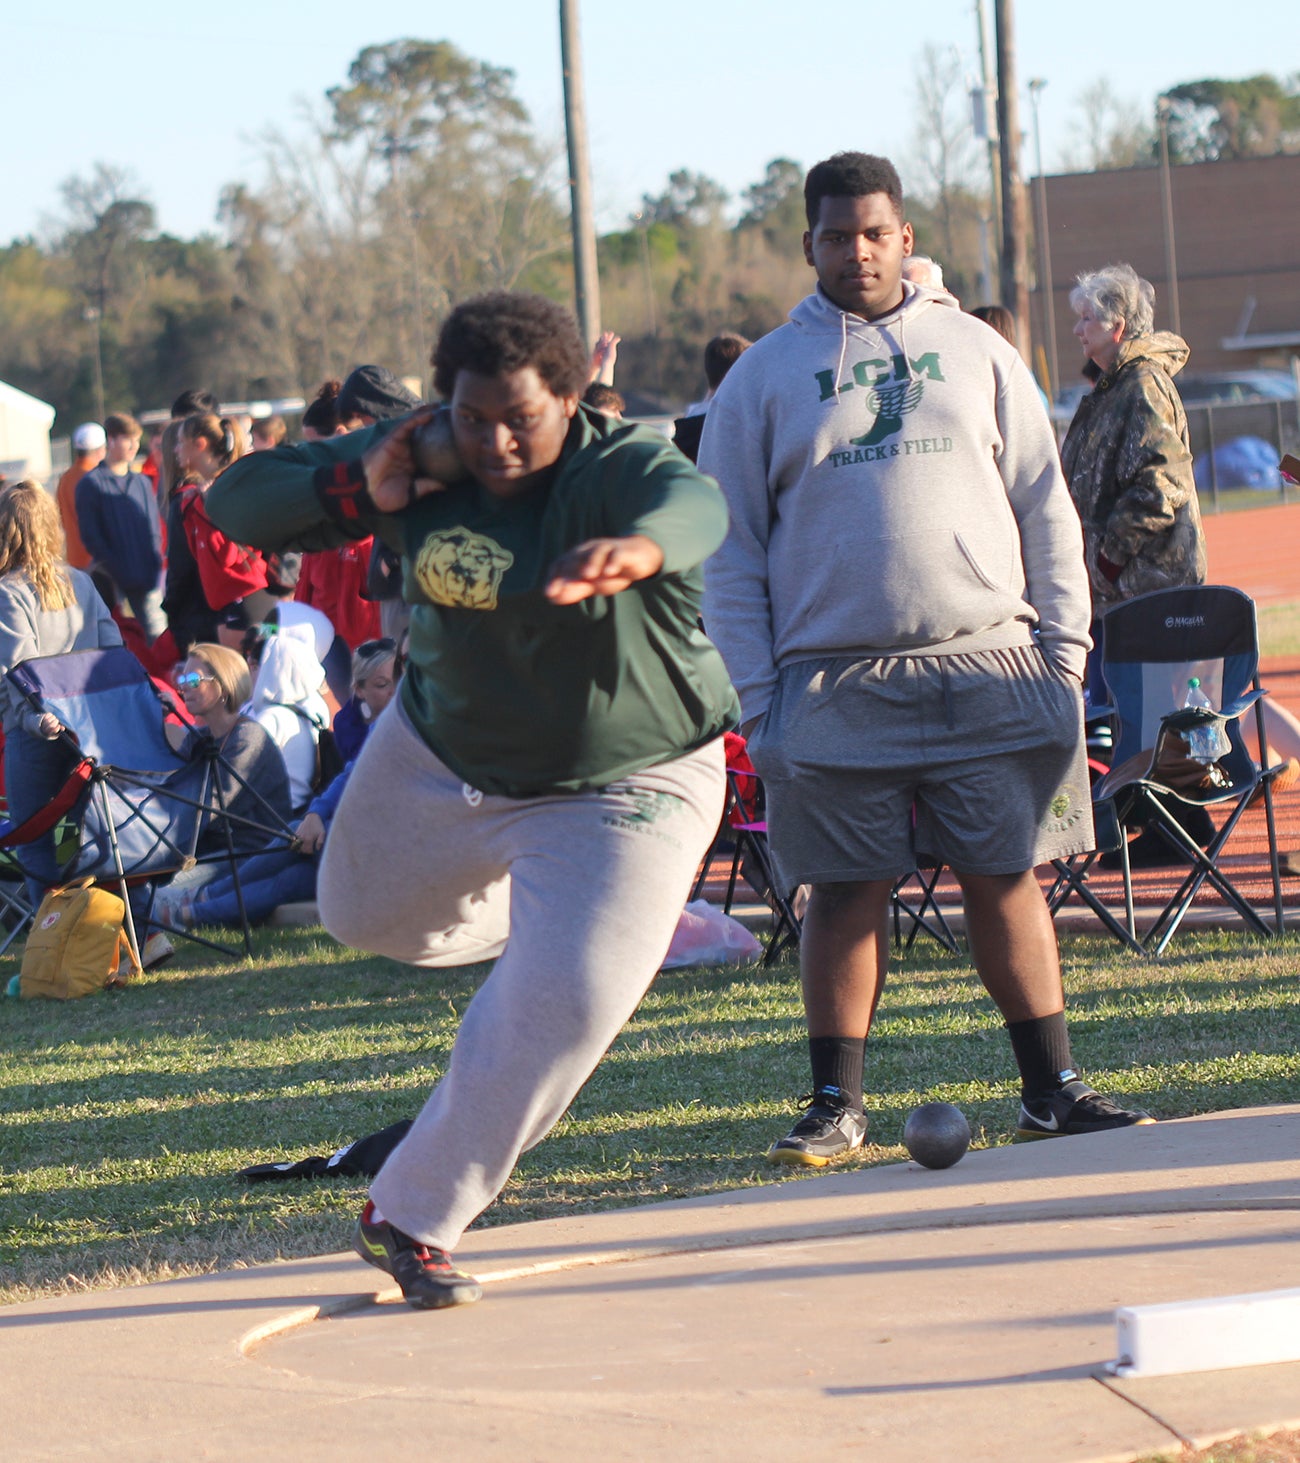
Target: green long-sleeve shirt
{"points": [[515, 694]]}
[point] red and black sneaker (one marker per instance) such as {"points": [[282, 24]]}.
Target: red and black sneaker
{"points": [[428, 1279]]}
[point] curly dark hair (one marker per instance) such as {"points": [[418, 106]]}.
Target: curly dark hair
{"points": [[850, 175], [505, 331]]}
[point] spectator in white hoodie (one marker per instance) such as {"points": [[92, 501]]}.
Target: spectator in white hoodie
{"points": [[288, 705]]}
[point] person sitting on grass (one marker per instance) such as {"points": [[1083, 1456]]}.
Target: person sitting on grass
{"points": [[288, 705], [252, 778], [374, 680], [46, 608], [288, 875], [267, 880]]}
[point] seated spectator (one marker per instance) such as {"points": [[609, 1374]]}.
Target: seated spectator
{"points": [[268, 880], [46, 608], [253, 783], [288, 706], [314, 628], [374, 679]]}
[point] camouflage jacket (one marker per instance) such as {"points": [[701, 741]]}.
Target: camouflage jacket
{"points": [[1129, 466]]}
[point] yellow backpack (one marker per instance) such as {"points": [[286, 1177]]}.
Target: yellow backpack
{"points": [[76, 944]]}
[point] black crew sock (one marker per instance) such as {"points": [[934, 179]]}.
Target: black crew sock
{"points": [[837, 1062], [1042, 1049]]}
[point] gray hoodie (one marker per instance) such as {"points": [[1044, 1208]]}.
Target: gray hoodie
{"points": [[894, 490]]}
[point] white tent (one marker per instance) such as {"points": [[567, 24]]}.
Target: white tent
{"points": [[24, 435]]}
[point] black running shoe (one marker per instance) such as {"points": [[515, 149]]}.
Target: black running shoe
{"points": [[1075, 1108], [428, 1279], [829, 1129]]}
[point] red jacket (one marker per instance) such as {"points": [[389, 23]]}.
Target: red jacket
{"points": [[228, 571], [332, 581]]}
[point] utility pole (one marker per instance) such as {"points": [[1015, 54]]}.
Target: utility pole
{"points": [[986, 128], [1045, 292], [1167, 201], [586, 280], [1015, 289], [392, 150], [92, 315]]}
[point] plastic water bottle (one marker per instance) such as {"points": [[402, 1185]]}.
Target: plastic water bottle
{"points": [[1196, 697], [1206, 742]]}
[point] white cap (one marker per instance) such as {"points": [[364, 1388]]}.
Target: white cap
{"points": [[89, 437]]}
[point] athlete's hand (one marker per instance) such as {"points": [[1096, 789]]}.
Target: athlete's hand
{"points": [[49, 726], [310, 836], [390, 467], [602, 566]]}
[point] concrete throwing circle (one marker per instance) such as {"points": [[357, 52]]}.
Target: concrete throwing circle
{"points": [[904, 1342]]}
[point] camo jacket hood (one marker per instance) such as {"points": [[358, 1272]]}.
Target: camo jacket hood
{"points": [[1128, 462]]}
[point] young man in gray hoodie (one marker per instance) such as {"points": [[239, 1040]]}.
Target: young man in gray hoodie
{"points": [[902, 604]]}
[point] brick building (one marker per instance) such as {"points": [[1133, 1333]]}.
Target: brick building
{"points": [[1237, 237]]}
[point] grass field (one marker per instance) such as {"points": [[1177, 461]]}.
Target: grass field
{"points": [[125, 1115], [1279, 628]]}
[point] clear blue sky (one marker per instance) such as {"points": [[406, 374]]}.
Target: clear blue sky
{"points": [[178, 97]]}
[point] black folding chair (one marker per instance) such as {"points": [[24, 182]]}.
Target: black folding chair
{"points": [[923, 915], [742, 837], [1169, 755]]}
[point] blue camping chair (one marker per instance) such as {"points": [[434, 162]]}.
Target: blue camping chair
{"points": [[1167, 753], [140, 803]]}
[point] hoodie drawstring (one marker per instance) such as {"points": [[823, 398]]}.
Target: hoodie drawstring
{"points": [[844, 350]]}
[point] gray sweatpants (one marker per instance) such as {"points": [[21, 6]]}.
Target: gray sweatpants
{"points": [[581, 893]]}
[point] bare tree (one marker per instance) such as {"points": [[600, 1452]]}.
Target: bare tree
{"points": [[1107, 132], [420, 183], [943, 159], [104, 218]]}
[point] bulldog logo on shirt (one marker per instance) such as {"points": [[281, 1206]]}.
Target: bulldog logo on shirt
{"points": [[462, 569]]}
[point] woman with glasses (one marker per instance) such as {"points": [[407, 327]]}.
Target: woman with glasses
{"points": [[46, 608], [214, 684], [288, 875], [552, 770]]}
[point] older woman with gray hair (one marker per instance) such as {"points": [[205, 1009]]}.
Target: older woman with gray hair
{"points": [[1126, 456], [1128, 462]]}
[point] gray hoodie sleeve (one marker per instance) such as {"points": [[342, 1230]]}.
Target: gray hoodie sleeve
{"points": [[1051, 537], [737, 605]]}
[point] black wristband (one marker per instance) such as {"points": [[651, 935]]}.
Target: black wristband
{"points": [[341, 488]]}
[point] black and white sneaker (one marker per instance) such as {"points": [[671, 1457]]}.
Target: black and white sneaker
{"points": [[1075, 1108], [428, 1279], [829, 1129]]}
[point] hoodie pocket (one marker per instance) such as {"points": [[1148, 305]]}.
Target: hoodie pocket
{"points": [[976, 567]]}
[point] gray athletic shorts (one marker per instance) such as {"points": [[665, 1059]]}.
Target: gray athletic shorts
{"points": [[976, 760]]}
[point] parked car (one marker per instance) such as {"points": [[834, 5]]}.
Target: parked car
{"points": [[1233, 388]]}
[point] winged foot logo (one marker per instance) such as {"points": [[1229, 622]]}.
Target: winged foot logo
{"points": [[893, 388]]}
